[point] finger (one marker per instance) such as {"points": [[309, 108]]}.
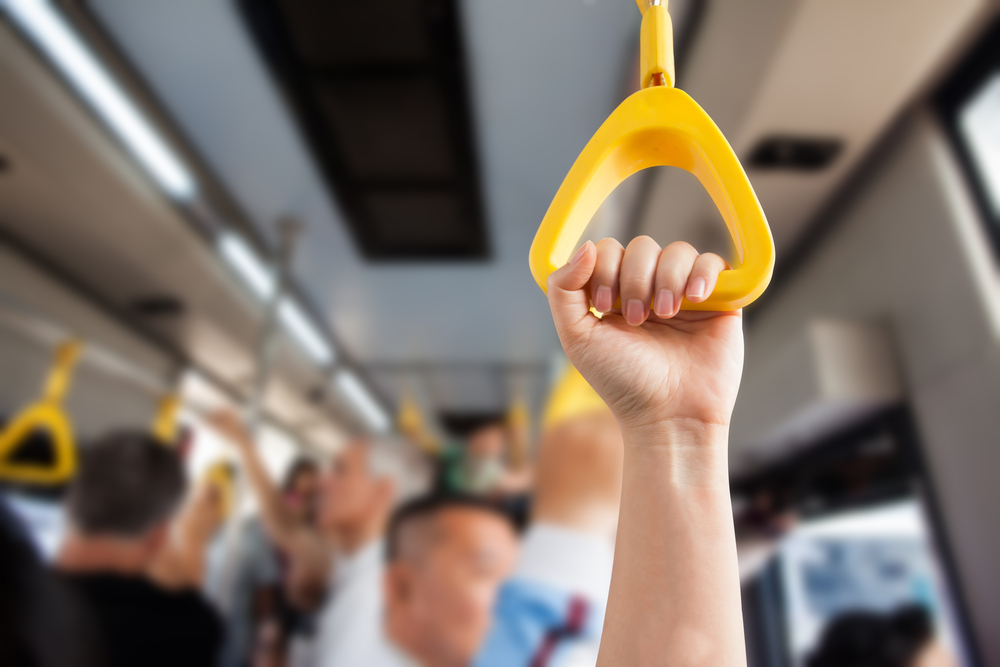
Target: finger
{"points": [[568, 300], [636, 278], [672, 271], [704, 275], [604, 282]]}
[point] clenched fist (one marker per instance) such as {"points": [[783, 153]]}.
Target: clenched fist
{"points": [[658, 367]]}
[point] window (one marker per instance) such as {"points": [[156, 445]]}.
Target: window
{"points": [[969, 104]]}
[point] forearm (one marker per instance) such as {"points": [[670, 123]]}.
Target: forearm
{"points": [[675, 597], [272, 515]]}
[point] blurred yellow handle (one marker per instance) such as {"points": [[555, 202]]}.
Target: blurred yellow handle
{"points": [[660, 125], [165, 422], [47, 414], [222, 478]]}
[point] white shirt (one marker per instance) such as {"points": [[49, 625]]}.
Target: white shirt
{"points": [[387, 655], [349, 631]]}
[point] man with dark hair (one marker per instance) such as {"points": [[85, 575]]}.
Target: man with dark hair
{"points": [[119, 508], [904, 638], [447, 556]]}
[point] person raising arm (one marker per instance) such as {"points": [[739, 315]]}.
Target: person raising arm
{"points": [[307, 551], [671, 378]]}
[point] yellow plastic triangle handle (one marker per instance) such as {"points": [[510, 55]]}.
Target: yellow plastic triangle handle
{"points": [[48, 415], [657, 126]]}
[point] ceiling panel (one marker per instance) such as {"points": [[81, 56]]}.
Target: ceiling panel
{"points": [[543, 76], [381, 92]]}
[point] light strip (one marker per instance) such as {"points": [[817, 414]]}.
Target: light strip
{"points": [[371, 412], [259, 278], [50, 31], [302, 329], [252, 270]]}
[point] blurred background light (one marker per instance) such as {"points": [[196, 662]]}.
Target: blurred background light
{"points": [[43, 23], [302, 329], [362, 401], [255, 273]]}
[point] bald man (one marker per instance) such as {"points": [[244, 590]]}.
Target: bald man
{"points": [[447, 557]]}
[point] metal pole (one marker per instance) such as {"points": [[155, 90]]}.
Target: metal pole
{"points": [[288, 231]]}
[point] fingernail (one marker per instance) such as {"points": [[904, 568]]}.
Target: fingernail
{"points": [[663, 306], [602, 299], [634, 311], [580, 253], [697, 288]]}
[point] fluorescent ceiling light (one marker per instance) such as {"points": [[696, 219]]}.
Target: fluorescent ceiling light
{"points": [[43, 23], [252, 270], [260, 279], [364, 404], [302, 329]]}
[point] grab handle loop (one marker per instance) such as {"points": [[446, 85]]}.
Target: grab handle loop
{"points": [[47, 414], [660, 126]]}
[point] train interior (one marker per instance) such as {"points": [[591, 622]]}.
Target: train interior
{"points": [[317, 216]]}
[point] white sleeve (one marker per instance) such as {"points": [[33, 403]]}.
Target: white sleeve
{"points": [[571, 560]]}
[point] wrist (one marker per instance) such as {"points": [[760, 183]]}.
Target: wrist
{"points": [[685, 452]]}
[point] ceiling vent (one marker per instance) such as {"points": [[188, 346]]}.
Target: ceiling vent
{"points": [[380, 92], [795, 153]]}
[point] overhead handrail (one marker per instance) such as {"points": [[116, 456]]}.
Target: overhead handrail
{"points": [[660, 125], [17, 317], [47, 414]]}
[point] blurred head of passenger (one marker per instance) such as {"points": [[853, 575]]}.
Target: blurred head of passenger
{"points": [[367, 479], [301, 490], [484, 463], [119, 505], [904, 638], [488, 443], [447, 557]]}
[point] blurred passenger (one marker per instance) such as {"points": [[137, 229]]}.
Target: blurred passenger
{"points": [[337, 565], [559, 587], [40, 626], [904, 638], [246, 580], [490, 465], [181, 563], [119, 509], [304, 550], [368, 479], [447, 557]]}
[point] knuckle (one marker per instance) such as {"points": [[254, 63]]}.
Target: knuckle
{"points": [[682, 248], [609, 244], [643, 241], [634, 285]]}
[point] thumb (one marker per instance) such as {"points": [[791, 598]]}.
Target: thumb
{"points": [[568, 297]]}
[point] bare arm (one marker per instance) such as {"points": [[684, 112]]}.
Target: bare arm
{"points": [[675, 596], [181, 564], [670, 379], [279, 525]]}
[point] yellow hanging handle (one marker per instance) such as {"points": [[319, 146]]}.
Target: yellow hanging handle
{"points": [[656, 126], [411, 423], [222, 477], [47, 414], [165, 423]]}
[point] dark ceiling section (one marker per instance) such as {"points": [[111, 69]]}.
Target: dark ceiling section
{"points": [[380, 91]]}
